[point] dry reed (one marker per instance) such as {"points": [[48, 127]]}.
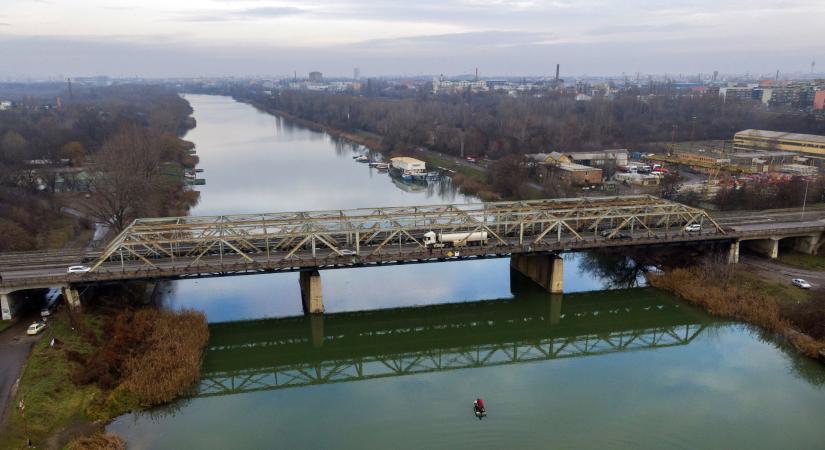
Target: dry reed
{"points": [[97, 441], [708, 288], [171, 363]]}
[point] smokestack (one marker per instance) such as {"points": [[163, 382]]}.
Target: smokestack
{"points": [[476, 73], [777, 75], [557, 73]]}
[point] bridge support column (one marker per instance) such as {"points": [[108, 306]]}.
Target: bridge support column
{"points": [[555, 309], [767, 247], [316, 324], [6, 307], [546, 270], [806, 244], [72, 298], [311, 294], [733, 254]]}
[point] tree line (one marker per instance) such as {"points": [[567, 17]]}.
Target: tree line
{"points": [[498, 125], [124, 137]]}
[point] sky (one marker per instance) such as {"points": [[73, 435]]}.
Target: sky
{"points": [[172, 38]]}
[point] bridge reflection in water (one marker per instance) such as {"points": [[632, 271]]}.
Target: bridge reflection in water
{"points": [[280, 353]]}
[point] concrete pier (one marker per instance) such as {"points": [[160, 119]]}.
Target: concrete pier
{"points": [[733, 254], [72, 298], [7, 307], [546, 270], [806, 244], [767, 247], [311, 294]]}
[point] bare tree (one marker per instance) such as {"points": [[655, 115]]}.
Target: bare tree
{"points": [[127, 170]]}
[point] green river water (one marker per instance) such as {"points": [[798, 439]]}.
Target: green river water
{"points": [[405, 350]]}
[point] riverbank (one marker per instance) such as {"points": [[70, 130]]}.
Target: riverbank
{"points": [[470, 179], [103, 364], [798, 317], [369, 140]]}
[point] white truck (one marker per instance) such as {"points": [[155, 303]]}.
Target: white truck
{"points": [[440, 240]]}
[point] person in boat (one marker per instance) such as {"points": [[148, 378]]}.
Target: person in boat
{"points": [[480, 406]]}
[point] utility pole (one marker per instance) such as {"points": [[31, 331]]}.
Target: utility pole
{"points": [[805, 198]]}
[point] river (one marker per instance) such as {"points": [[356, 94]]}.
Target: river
{"points": [[595, 368]]}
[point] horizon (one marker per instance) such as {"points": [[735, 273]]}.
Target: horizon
{"points": [[260, 38]]}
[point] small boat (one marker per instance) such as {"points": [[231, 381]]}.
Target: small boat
{"points": [[362, 159], [478, 408], [356, 156], [379, 165]]}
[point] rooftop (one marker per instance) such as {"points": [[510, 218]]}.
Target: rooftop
{"points": [[782, 135]]}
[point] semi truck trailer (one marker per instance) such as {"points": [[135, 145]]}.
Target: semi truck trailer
{"points": [[439, 240]]}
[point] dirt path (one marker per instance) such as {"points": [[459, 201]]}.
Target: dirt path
{"points": [[782, 273], [15, 346]]}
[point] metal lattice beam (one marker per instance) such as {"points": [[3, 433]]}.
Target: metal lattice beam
{"points": [[296, 237]]}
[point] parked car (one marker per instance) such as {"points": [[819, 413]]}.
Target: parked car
{"points": [[45, 312], [800, 283], [693, 228], [78, 269], [36, 328]]}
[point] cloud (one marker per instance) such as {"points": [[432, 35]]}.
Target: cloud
{"points": [[641, 28], [476, 39], [263, 12]]}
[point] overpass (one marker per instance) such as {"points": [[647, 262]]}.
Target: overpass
{"points": [[532, 233], [275, 354]]}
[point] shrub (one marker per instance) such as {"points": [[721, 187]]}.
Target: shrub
{"points": [[97, 441]]}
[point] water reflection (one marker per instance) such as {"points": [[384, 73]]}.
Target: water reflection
{"points": [[260, 355]]}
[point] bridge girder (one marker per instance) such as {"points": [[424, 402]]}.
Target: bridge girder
{"points": [[375, 232]]}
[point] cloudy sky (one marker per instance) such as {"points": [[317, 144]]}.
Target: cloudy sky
{"points": [[157, 38]]}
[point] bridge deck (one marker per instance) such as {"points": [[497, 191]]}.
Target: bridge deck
{"points": [[193, 246]]}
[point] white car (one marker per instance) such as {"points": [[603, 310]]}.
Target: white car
{"points": [[347, 252], [693, 228], [799, 282], [45, 312], [35, 328], [78, 269]]}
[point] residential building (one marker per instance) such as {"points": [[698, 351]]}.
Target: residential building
{"points": [[316, 77]]}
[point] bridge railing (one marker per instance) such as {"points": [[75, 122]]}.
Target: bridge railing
{"points": [[377, 231]]}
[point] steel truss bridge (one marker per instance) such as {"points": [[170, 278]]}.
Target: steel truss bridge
{"points": [[252, 243], [283, 353]]}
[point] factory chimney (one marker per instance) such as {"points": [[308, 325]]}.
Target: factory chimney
{"points": [[557, 73]]}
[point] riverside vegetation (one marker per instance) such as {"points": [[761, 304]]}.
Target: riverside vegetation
{"points": [[105, 362], [721, 290]]}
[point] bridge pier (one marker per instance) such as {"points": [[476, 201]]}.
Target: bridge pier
{"points": [[72, 298], [311, 294], [316, 324], [767, 247], [546, 270], [8, 307], [555, 309], [806, 244], [733, 254]]}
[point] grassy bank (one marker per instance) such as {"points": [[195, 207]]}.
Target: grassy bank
{"points": [[799, 318], [102, 366], [803, 261], [6, 324]]}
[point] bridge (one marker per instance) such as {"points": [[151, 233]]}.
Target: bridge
{"points": [[275, 354], [532, 233]]}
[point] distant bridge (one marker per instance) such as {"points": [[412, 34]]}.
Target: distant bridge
{"points": [[531, 232], [283, 353]]}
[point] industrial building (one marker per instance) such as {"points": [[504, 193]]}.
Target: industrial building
{"points": [[616, 157], [574, 174], [804, 144]]}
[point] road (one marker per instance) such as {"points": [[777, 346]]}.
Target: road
{"points": [[773, 270], [15, 346]]}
